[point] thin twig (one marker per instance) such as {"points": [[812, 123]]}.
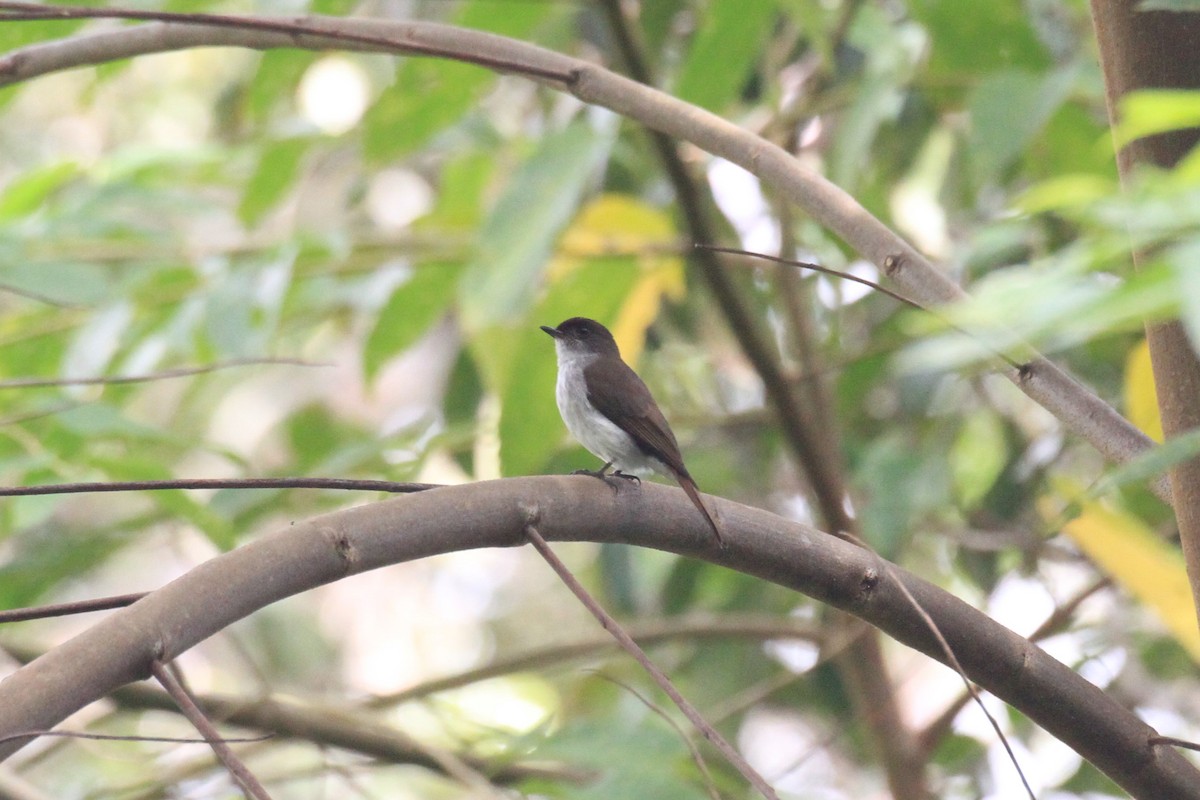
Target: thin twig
{"points": [[697, 756], [27, 12], [791, 262], [952, 660], [241, 774], [66, 609], [31, 295], [181, 372], [1171, 740], [626, 641], [934, 731], [112, 737], [865, 282], [350, 484]]}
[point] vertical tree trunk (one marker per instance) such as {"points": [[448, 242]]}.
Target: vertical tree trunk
{"points": [[1161, 50]]}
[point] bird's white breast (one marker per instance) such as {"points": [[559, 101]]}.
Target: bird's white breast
{"points": [[593, 430]]}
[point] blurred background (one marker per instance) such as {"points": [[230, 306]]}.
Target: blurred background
{"points": [[362, 247]]}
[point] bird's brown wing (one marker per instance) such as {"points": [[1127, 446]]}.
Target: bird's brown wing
{"points": [[633, 411]]}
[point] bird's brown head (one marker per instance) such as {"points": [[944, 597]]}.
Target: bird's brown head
{"points": [[583, 335]]}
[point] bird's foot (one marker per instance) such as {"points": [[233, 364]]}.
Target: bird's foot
{"points": [[595, 473], [608, 477]]}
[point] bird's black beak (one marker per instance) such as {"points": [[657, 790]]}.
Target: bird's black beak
{"points": [[552, 331]]}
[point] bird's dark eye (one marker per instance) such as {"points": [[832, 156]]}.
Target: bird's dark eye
{"points": [[584, 333]]}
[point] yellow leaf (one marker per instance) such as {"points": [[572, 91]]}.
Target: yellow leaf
{"points": [[615, 225], [1140, 561], [1141, 398]]}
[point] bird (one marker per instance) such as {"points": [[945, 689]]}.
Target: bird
{"points": [[608, 408]]}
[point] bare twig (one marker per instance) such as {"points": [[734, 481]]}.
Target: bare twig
{"points": [[612, 626], [106, 380], [241, 774], [1011, 362], [791, 262], [112, 737], [36, 296], [952, 661], [935, 730], [697, 756], [1171, 740], [66, 609], [22, 12], [348, 484]]}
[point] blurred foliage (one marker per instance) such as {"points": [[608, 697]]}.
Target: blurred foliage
{"points": [[198, 207]]}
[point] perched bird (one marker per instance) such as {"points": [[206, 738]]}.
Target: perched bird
{"points": [[610, 411]]}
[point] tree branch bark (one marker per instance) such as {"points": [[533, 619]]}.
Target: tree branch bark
{"points": [[1079, 410], [1157, 50], [121, 648]]}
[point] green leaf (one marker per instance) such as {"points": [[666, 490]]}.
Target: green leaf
{"points": [[60, 281], [29, 191], [977, 457], [277, 168], [900, 483], [724, 51], [519, 235], [275, 80], [631, 761], [990, 36], [431, 94], [178, 503], [1150, 111], [410, 312], [459, 202], [1007, 110], [427, 97]]}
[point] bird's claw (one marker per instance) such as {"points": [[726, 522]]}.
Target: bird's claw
{"points": [[606, 476], [628, 477]]}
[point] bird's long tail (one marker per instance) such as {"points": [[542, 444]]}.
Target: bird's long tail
{"points": [[693, 492]]}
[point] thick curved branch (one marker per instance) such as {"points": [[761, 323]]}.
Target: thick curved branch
{"points": [[1078, 409], [121, 648]]}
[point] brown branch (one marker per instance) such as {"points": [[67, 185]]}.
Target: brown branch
{"points": [[240, 773], [1058, 619], [1142, 49], [118, 648], [630, 646]]}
